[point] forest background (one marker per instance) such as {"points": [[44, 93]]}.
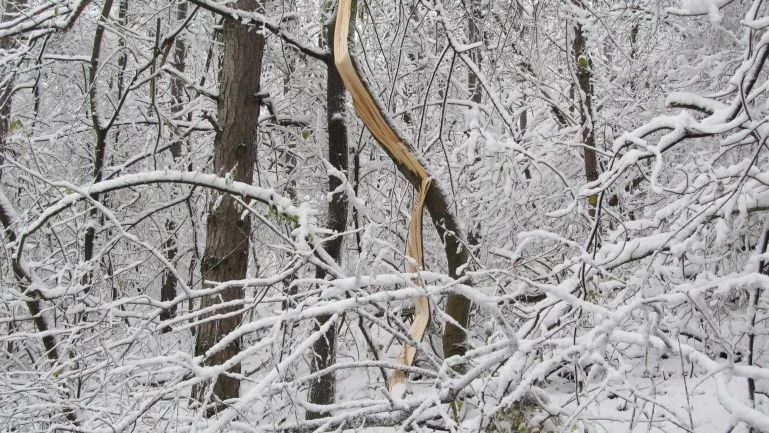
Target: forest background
{"points": [[204, 229]]}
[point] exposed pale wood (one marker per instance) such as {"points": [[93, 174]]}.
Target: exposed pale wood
{"points": [[369, 112], [421, 303], [364, 104], [437, 202]]}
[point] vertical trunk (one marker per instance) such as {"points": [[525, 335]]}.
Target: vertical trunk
{"points": [[122, 63], [753, 314], [227, 234], [168, 284], [100, 148], [290, 154], [474, 35], [457, 306], [614, 199], [323, 389], [523, 122], [582, 61], [177, 85]]}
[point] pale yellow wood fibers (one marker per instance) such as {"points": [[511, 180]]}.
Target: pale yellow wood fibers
{"points": [[374, 120]]}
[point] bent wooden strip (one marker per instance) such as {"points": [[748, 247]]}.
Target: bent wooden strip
{"points": [[421, 303], [369, 112], [362, 100]]}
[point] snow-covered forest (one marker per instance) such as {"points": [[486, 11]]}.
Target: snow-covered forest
{"points": [[400, 215]]}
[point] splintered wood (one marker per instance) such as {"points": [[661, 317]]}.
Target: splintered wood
{"points": [[421, 303], [375, 121]]}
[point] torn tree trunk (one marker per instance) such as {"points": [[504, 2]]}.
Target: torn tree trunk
{"points": [[421, 303], [396, 147]]}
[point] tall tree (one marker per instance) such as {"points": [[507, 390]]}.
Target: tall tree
{"points": [[585, 100], [101, 129], [323, 389], [169, 281], [474, 35], [227, 234]]}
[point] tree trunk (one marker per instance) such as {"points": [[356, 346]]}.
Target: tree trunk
{"points": [[227, 234], [474, 35], [168, 284], [457, 306], [323, 389], [402, 154], [100, 148], [474, 88], [582, 61]]}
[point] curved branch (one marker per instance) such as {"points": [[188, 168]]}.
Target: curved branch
{"points": [[267, 196]]}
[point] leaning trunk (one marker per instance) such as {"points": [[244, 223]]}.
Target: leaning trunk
{"points": [[402, 154]]}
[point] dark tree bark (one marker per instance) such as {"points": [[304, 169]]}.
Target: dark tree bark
{"points": [[582, 61], [457, 306], [474, 34], [753, 312], [402, 153], [168, 284], [227, 234], [323, 389], [100, 147]]}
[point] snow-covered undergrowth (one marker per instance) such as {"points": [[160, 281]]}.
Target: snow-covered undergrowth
{"points": [[633, 301]]}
